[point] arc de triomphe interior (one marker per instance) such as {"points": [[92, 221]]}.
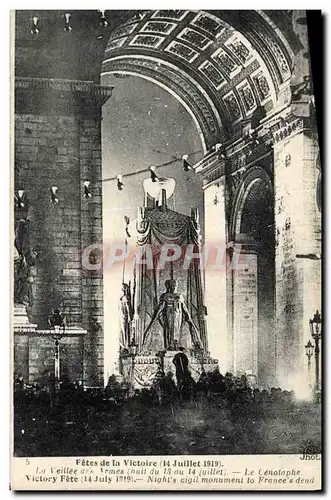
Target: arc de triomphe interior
{"points": [[244, 77]]}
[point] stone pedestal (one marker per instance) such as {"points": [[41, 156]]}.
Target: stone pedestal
{"points": [[21, 320], [140, 371], [22, 330], [195, 365]]}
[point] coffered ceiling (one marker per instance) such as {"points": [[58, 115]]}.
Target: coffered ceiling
{"points": [[227, 63], [208, 47]]}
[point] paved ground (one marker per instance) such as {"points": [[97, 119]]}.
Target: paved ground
{"points": [[132, 428]]}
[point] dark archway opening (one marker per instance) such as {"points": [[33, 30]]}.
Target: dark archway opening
{"points": [[143, 125], [254, 286]]}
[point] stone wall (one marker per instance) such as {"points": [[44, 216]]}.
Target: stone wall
{"points": [[298, 246], [266, 316], [215, 273], [61, 146], [21, 356], [45, 152]]}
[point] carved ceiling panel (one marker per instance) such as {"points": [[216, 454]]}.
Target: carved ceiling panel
{"points": [[163, 27], [209, 23], [247, 97], [232, 106], [195, 38], [209, 70], [147, 41], [261, 85], [220, 56], [178, 15], [182, 51]]}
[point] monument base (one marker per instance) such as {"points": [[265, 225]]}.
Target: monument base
{"points": [[140, 370]]}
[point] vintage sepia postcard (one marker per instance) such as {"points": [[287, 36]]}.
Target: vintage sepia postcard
{"points": [[166, 251]]}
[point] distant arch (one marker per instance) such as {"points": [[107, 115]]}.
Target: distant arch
{"points": [[255, 189]]}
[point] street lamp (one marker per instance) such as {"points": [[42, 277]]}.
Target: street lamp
{"points": [[57, 324], [309, 352], [315, 325], [56, 336]]}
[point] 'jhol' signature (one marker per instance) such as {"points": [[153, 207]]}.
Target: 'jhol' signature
{"points": [[311, 452]]}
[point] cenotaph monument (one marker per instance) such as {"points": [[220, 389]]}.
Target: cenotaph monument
{"points": [[164, 313]]}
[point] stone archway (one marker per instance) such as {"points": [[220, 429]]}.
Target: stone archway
{"points": [[253, 283], [225, 68], [252, 188], [235, 72]]}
